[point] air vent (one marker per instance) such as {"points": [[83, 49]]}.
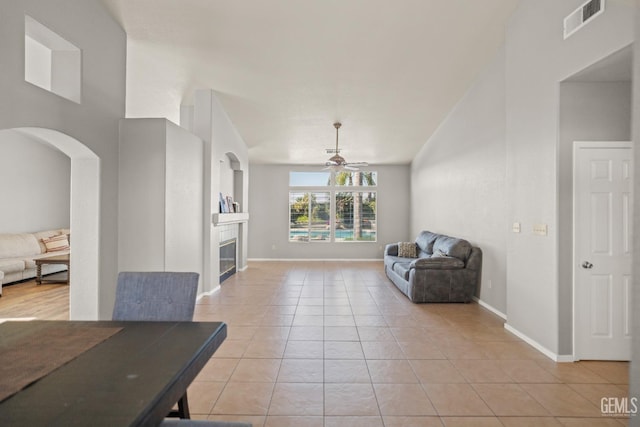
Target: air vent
{"points": [[581, 16]]}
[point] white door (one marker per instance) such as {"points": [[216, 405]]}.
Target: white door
{"points": [[602, 253]]}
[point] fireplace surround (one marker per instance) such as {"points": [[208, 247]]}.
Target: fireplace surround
{"points": [[228, 256]]}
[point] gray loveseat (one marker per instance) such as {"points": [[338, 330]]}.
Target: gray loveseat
{"points": [[445, 269]]}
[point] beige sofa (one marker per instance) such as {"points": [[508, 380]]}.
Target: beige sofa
{"points": [[18, 252]]}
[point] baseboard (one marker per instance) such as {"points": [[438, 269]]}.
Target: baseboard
{"points": [[490, 308], [316, 259], [535, 344], [208, 293]]}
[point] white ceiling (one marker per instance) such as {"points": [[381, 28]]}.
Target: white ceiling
{"points": [[285, 70]]}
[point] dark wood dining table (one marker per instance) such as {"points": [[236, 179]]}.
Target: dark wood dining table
{"points": [[132, 376]]}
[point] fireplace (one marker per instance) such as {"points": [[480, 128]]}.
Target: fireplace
{"points": [[227, 259]]}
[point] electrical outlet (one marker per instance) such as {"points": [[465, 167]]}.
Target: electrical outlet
{"points": [[515, 227], [273, 247], [490, 284], [540, 229]]}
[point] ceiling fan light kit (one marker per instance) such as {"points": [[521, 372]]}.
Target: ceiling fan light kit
{"points": [[337, 162]]}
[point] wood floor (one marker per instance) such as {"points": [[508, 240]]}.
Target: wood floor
{"points": [[28, 300]]}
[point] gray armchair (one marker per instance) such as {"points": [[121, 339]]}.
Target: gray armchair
{"points": [[444, 269], [157, 297]]}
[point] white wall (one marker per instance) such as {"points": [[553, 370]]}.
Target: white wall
{"points": [[160, 205], [141, 195], [458, 179], [94, 122], [589, 111], [537, 60], [184, 205], [634, 380], [36, 185], [212, 124], [269, 224], [509, 123]]}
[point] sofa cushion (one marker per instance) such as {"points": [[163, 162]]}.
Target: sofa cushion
{"points": [[11, 265], [45, 234], [56, 243], [390, 261], [438, 263], [450, 246], [425, 241], [407, 250], [402, 269], [18, 245]]}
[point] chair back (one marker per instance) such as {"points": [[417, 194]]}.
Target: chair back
{"points": [[156, 296]]}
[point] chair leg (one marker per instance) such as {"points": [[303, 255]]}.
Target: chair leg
{"points": [[183, 409]]}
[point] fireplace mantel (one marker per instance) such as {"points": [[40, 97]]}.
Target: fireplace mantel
{"points": [[229, 218]]}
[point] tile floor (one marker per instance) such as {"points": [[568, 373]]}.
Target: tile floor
{"points": [[335, 344]]}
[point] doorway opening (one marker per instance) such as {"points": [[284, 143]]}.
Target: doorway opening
{"points": [[84, 217], [602, 250], [595, 105]]}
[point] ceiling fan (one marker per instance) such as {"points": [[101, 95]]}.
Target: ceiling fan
{"points": [[337, 162]]}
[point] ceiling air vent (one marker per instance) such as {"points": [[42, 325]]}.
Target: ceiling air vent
{"points": [[582, 15]]}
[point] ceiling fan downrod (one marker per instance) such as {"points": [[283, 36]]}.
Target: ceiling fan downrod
{"points": [[337, 126]]}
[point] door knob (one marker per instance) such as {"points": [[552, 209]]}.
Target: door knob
{"points": [[587, 265]]}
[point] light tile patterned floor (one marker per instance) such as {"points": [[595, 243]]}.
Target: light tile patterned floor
{"points": [[335, 344]]}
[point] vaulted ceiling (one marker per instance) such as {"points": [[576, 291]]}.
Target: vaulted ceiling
{"points": [[285, 70]]}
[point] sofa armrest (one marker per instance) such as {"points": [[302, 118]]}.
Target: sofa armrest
{"points": [[474, 262], [391, 249], [437, 263]]}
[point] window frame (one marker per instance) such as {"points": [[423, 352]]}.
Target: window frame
{"points": [[353, 191], [333, 189], [309, 227]]}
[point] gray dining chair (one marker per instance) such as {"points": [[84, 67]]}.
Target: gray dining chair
{"points": [[157, 296], [202, 423]]}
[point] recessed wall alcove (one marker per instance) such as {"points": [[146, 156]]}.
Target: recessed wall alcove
{"points": [[51, 62], [231, 225]]}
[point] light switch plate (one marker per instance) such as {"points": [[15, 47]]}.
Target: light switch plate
{"points": [[515, 227], [540, 229]]}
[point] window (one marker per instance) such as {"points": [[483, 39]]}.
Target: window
{"points": [[309, 216], [356, 179], [309, 179], [323, 206], [355, 216]]}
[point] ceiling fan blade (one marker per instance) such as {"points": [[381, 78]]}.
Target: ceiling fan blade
{"points": [[350, 168], [331, 163], [358, 164]]}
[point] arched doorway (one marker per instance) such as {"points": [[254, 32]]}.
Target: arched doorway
{"points": [[85, 217]]}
